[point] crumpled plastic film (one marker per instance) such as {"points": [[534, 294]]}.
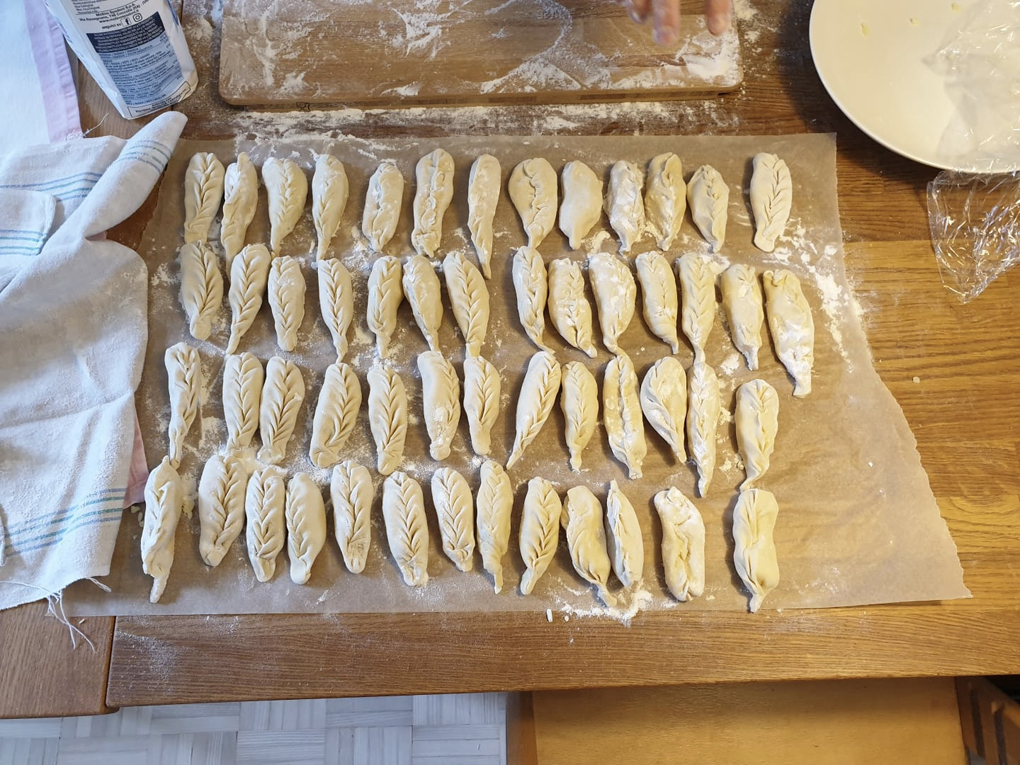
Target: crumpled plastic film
{"points": [[975, 228], [980, 59]]}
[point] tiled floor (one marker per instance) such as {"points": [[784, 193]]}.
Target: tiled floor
{"points": [[469, 729]]}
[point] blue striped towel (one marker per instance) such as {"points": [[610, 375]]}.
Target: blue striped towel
{"points": [[73, 331]]}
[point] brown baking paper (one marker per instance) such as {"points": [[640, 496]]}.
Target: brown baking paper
{"points": [[858, 523]]}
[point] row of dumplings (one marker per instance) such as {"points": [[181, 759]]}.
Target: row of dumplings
{"points": [[275, 511], [636, 202]]}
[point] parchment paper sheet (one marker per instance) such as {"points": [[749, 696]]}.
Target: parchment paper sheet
{"points": [[858, 523]]}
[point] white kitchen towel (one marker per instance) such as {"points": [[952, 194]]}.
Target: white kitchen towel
{"points": [[72, 338]]}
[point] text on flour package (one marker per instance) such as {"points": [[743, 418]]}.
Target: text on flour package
{"points": [[135, 50]]}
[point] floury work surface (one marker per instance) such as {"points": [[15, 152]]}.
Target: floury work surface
{"points": [[857, 523], [426, 52]]}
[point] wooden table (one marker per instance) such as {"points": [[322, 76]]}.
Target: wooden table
{"points": [[964, 412]]}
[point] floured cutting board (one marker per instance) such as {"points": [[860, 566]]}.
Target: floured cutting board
{"points": [[431, 52]]}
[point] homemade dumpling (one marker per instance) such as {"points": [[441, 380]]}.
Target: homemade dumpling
{"points": [[757, 420], [708, 197], [621, 414], [287, 189], [754, 551], [615, 296], [569, 308], [432, 197], [793, 329], [532, 190], [582, 202]]}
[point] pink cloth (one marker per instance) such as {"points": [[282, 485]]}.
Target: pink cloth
{"points": [[60, 99]]}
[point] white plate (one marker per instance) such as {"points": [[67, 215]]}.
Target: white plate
{"points": [[870, 55]]}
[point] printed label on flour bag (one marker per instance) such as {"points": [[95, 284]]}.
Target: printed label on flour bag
{"points": [[135, 50]]}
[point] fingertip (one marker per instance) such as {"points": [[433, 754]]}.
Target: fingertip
{"points": [[717, 15], [664, 35], [638, 10]]}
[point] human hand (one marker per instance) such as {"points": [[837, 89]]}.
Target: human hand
{"points": [[665, 16]]}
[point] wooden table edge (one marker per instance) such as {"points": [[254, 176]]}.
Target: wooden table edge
{"points": [[302, 656]]}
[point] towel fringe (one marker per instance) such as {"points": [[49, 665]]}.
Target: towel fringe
{"points": [[55, 608]]}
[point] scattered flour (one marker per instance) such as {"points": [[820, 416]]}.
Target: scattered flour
{"points": [[731, 364], [639, 600]]}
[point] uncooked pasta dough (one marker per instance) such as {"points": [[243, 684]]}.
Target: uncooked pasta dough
{"points": [[540, 531], [243, 378], [703, 408], [336, 302], [621, 414], [586, 540], [282, 394], [771, 199], [624, 539], [660, 303], [569, 308], [287, 189], [742, 302], [382, 205], [248, 276], [424, 294], [329, 198], [407, 530], [287, 300], [306, 526], [336, 414], [352, 492], [432, 197], [665, 198], [624, 205], [164, 501], [532, 288], [201, 288], [440, 401], [683, 544], [754, 551], [470, 300], [793, 329], [451, 496], [708, 196], [481, 401], [494, 505], [615, 296], [387, 416], [582, 202], [184, 376], [697, 284], [265, 530], [757, 420], [240, 200], [538, 394], [483, 196], [203, 190], [385, 294], [532, 190], [220, 506], [664, 402], [579, 399]]}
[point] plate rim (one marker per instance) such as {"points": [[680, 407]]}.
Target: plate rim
{"points": [[870, 132]]}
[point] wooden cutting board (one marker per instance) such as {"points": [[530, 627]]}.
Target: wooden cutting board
{"points": [[433, 52]]}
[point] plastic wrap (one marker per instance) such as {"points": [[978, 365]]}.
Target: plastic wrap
{"points": [[975, 228], [980, 60]]}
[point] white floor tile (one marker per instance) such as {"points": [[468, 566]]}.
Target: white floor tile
{"points": [[306, 746], [466, 729], [47, 727]]}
